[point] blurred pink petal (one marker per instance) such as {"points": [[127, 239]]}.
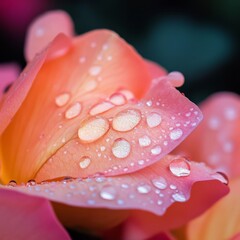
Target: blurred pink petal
{"points": [[26, 217], [155, 70]]}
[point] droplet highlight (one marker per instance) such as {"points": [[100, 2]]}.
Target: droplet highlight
{"points": [[156, 150], [101, 108], [153, 119], [108, 193], [95, 70], [160, 183], [180, 167], [144, 141], [73, 111], [84, 162], [62, 99], [144, 189], [121, 148], [176, 133]]}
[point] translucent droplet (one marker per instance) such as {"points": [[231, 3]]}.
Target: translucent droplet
{"points": [[12, 183], [108, 193], [121, 148], [144, 189], [89, 85], [101, 108], [62, 99], [159, 202], [159, 182], [149, 103], [176, 133], [214, 123], [179, 197], [153, 119], [180, 167], [221, 177], [156, 150], [144, 141], [117, 99], [95, 70], [93, 129], [31, 182], [73, 111], [84, 162], [126, 120]]}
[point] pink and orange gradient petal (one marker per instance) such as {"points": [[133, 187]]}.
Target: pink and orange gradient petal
{"points": [[44, 29], [163, 188], [216, 141], [221, 221], [28, 217]]}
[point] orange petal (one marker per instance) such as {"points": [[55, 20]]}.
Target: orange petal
{"points": [[221, 221]]}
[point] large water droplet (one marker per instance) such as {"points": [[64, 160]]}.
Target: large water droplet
{"points": [[128, 94], [176, 133], [179, 197], [144, 141], [117, 99], [101, 108], [108, 193], [121, 148], [73, 111], [156, 150], [95, 70], [144, 189], [84, 162], [221, 177], [31, 182], [12, 183], [180, 167], [153, 119], [126, 120], [159, 182], [93, 129], [62, 99]]}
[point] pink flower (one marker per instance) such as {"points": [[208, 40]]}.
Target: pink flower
{"points": [[88, 125]]}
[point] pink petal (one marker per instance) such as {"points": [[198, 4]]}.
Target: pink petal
{"points": [[28, 217], [153, 189], [8, 74], [44, 29], [162, 119], [216, 141], [155, 70]]}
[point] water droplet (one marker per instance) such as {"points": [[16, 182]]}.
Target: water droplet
{"points": [[121, 148], [214, 123], [82, 59], [101, 108], [230, 113], [156, 150], [141, 162], [117, 99], [176, 133], [144, 189], [126, 120], [153, 119], [93, 129], [180, 167], [95, 70], [31, 182], [84, 162], [62, 99], [144, 141], [179, 197], [149, 103], [221, 177], [159, 182], [73, 111], [12, 183], [89, 85], [108, 193], [128, 94], [159, 202]]}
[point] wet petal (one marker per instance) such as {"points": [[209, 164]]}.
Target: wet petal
{"points": [[125, 138], [8, 74], [155, 70], [44, 29], [64, 95], [216, 140], [153, 189], [221, 221], [26, 217]]}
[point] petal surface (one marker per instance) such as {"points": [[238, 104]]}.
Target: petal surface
{"points": [[216, 140], [221, 221], [44, 29], [153, 189], [28, 217]]}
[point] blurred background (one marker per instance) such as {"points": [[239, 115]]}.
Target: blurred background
{"points": [[199, 38]]}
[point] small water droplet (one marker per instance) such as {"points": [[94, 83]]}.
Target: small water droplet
{"points": [[149, 103], [156, 150], [12, 183], [31, 182], [93, 129], [117, 99], [144, 189], [101, 108], [62, 99], [82, 59], [73, 111], [144, 141], [159, 202], [141, 162], [84, 162], [121, 148], [95, 70], [179, 197], [180, 167], [126, 120], [214, 123], [108, 193], [89, 85], [159, 182], [153, 119], [221, 177], [176, 133]]}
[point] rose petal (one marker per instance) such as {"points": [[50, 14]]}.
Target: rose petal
{"points": [[8, 74], [79, 81], [154, 189], [155, 70], [28, 217], [221, 221], [134, 135], [216, 140], [44, 29]]}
